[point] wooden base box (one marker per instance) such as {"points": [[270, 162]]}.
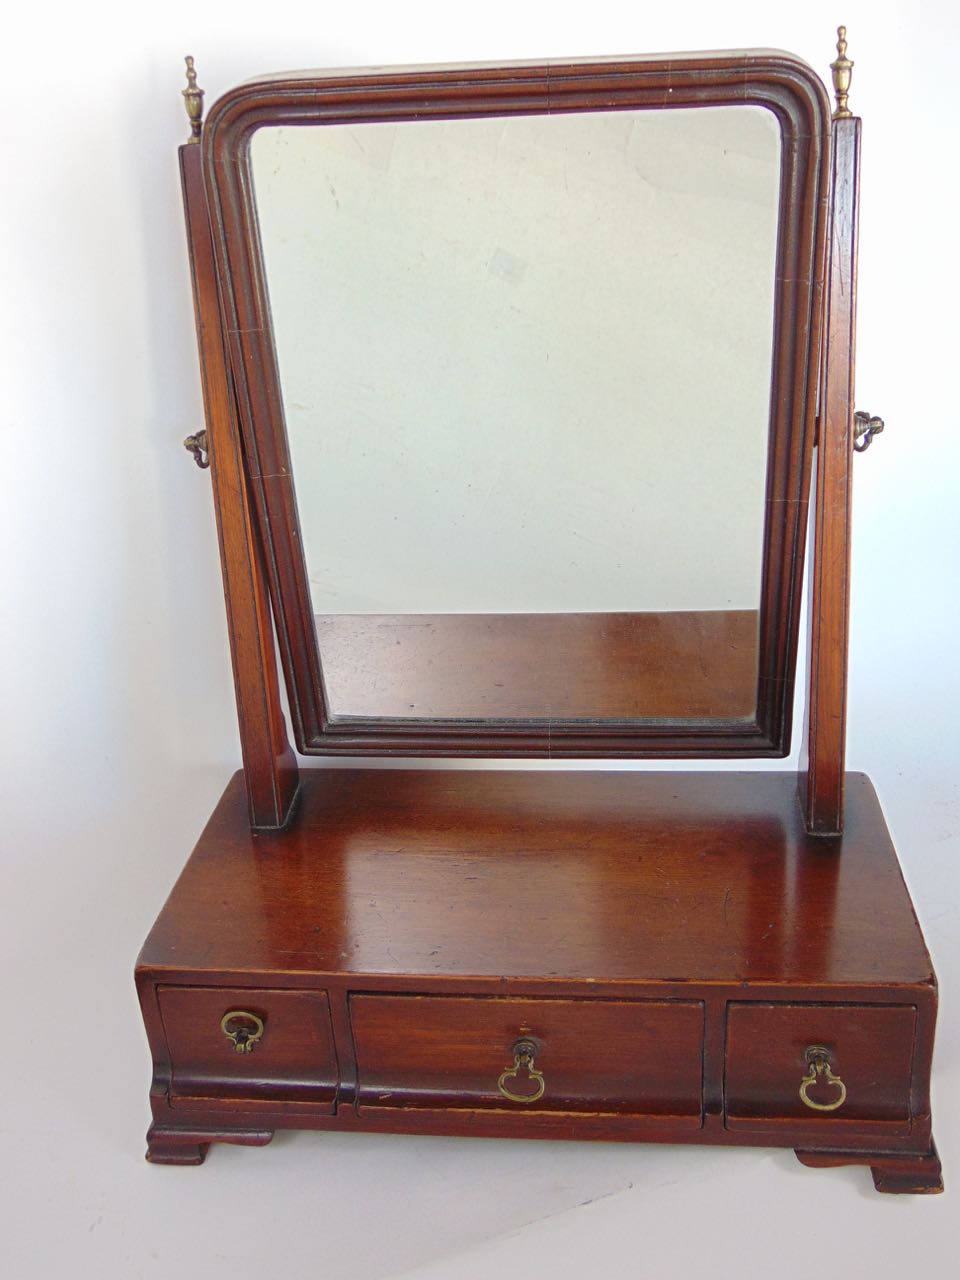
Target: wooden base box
{"points": [[654, 957]]}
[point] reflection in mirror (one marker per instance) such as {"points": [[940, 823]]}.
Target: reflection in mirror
{"points": [[526, 369]]}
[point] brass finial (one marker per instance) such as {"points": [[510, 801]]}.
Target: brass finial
{"points": [[193, 101], [841, 68]]}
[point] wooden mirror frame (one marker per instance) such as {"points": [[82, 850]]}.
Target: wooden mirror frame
{"points": [[270, 766], [777, 82]]}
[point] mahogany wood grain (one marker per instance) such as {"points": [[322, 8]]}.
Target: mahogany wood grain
{"points": [[776, 82], [269, 763], [635, 1057], [822, 778], [541, 666], [871, 1049], [599, 876], [897, 1173], [486, 902], [295, 1061]]}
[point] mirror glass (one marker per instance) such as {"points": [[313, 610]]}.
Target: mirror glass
{"points": [[525, 365]]}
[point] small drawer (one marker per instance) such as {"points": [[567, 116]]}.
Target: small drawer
{"points": [[856, 1061], [633, 1057], [277, 1047]]}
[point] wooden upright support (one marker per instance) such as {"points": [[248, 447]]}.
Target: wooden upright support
{"points": [[270, 766], [822, 775]]}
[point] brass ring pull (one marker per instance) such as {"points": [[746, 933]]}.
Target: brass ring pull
{"points": [[523, 1055], [242, 1028], [818, 1060]]}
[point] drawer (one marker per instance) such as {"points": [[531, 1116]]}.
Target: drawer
{"points": [[291, 1060], [635, 1057], [862, 1082]]}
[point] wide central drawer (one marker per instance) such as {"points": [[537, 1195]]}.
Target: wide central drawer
{"points": [[635, 1057]]}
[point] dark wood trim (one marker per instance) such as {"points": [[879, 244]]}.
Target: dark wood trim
{"points": [[270, 766], [780, 83], [822, 773]]}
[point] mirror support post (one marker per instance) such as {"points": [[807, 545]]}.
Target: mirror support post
{"points": [[822, 772], [269, 763]]}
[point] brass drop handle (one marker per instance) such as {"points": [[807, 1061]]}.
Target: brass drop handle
{"points": [[818, 1060], [242, 1028], [524, 1052]]}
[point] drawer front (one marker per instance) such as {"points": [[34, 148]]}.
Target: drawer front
{"points": [[860, 1082], [634, 1057], [281, 1050]]}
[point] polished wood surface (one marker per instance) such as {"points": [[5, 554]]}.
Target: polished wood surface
{"points": [[618, 1056], [826, 729], [541, 666], [614, 876], [269, 763], [870, 1049], [774, 81], [300, 1062], [670, 942]]}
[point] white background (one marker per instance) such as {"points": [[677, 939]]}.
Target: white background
{"points": [[118, 724]]}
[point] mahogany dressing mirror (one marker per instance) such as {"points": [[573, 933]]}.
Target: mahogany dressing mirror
{"points": [[515, 380]]}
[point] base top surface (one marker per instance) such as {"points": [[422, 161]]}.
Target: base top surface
{"points": [[601, 876]]}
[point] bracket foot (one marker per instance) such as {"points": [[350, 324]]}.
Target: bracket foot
{"points": [[189, 1146], [897, 1173]]}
